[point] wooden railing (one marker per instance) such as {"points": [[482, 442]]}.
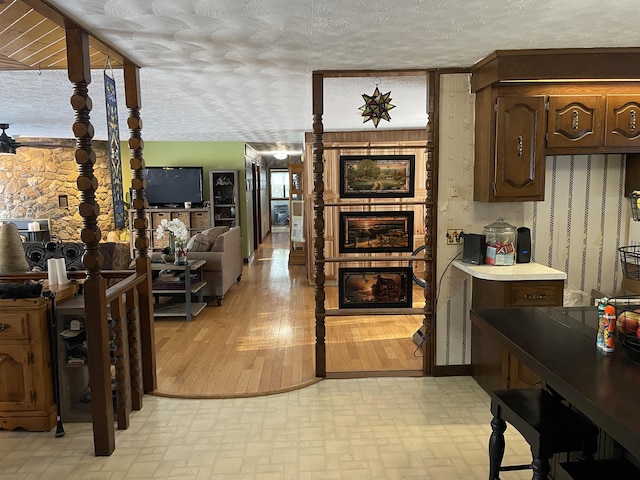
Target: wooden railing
{"points": [[130, 306]]}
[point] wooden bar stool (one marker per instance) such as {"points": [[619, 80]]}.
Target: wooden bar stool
{"points": [[548, 425]]}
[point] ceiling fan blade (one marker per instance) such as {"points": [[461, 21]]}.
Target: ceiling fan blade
{"points": [[37, 143]]}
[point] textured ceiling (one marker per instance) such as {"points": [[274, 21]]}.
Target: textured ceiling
{"points": [[239, 70]]}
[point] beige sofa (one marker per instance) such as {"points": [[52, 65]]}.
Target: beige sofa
{"points": [[221, 247]]}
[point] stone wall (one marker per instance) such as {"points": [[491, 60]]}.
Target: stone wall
{"points": [[32, 181]]}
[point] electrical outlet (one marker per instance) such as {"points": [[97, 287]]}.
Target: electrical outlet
{"points": [[454, 236]]}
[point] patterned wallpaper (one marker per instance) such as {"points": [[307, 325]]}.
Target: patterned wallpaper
{"points": [[577, 228]]}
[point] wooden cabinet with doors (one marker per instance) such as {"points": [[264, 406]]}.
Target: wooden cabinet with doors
{"points": [[493, 367], [26, 390], [623, 121], [593, 99], [575, 121], [517, 126], [509, 154], [593, 121]]}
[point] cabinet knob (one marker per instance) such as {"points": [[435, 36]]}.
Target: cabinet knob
{"points": [[519, 147], [632, 120], [3, 327]]}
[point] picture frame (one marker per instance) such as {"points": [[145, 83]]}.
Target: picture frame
{"points": [[376, 232], [375, 287], [377, 176]]}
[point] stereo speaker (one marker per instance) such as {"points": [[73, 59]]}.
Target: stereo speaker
{"points": [[473, 248], [523, 245]]}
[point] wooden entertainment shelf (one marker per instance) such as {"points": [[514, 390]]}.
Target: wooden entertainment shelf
{"points": [[195, 219]]}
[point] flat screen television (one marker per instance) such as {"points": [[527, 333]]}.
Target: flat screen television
{"points": [[172, 186]]}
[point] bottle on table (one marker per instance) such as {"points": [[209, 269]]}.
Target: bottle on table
{"points": [[609, 321]]}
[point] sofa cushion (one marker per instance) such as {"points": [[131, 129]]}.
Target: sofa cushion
{"points": [[205, 240], [199, 243], [215, 232]]}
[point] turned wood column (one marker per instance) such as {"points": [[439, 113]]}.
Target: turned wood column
{"points": [[430, 225], [318, 223], [97, 326], [139, 228]]}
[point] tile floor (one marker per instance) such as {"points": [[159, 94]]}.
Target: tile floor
{"points": [[375, 428]]}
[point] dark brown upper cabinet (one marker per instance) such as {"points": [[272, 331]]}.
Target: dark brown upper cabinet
{"points": [[534, 103], [574, 120], [623, 121], [519, 159]]}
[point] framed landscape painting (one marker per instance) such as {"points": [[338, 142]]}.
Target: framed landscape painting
{"points": [[371, 287], [377, 176], [376, 232]]}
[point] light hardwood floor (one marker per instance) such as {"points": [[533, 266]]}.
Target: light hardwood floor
{"points": [[262, 339]]}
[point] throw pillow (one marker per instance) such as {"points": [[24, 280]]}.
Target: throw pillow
{"points": [[215, 232], [201, 243]]}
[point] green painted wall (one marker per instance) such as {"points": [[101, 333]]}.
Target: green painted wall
{"points": [[210, 155]]}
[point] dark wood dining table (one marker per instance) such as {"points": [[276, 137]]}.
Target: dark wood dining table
{"points": [[559, 345]]}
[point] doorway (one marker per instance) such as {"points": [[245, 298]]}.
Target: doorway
{"points": [[279, 199]]}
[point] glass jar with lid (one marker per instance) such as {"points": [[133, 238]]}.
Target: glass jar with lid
{"points": [[501, 243]]}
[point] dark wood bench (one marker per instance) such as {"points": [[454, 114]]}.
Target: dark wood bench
{"points": [[618, 469], [546, 423]]}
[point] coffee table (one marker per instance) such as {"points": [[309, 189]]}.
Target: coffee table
{"points": [[171, 285]]}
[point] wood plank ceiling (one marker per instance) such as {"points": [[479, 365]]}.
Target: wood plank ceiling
{"points": [[32, 37]]}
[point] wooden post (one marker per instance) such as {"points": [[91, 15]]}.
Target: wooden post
{"points": [[318, 222], [430, 223], [123, 375], [140, 224], [135, 359], [79, 73]]}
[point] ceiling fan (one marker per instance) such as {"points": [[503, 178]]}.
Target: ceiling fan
{"points": [[10, 145]]}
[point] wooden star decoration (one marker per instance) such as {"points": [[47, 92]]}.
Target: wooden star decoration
{"points": [[376, 107]]}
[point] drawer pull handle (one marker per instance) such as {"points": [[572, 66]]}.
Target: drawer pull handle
{"points": [[632, 120], [539, 296], [3, 326], [519, 146], [575, 122]]}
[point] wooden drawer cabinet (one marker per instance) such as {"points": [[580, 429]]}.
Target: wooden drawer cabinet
{"points": [[493, 367], [26, 391], [534, 294]]}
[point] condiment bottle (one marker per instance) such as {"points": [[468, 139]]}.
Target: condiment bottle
{"points": [[609, 321], [600, 336]]}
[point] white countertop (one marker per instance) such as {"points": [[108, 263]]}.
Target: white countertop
{"points": [[517, 272]]}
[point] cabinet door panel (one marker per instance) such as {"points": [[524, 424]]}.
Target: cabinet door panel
{"points": [[521, 376], [623, 121], [575, 121], [15, 378], [519, 147]]}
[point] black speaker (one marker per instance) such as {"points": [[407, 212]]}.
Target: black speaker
{"points": [[473, 248], [523, 245]]}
